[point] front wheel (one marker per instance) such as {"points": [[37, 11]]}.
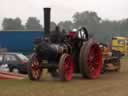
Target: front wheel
{"points": [[66, 67], [34, 69]]}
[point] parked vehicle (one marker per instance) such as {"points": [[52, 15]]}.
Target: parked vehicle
{"points": [[120, 44], [15, 62]]}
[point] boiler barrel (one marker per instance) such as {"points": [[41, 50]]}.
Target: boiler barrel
{"points": [[48, 51]]}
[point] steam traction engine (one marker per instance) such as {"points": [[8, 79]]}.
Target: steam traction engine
{"points": [[76, 53]]}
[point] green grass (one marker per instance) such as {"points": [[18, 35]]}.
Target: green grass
{"points": [[41, 88], [29, 88], [50, 87]]}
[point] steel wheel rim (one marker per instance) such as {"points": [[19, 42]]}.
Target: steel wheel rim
{"points": [[36, 70], [94, 61], [68, 68]]}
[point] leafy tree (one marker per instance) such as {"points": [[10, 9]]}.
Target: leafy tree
{"points": [[12, 24], [33, 24], [66, 25], [52, 26], [101, 30], [123, 29], [89, 19]]}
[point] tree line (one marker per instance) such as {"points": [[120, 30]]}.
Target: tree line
{"points": [[102, 30], [16, 24]]}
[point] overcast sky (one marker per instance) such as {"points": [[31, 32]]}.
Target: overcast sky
{"points": [[63, 9]]}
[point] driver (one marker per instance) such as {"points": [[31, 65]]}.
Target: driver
{"points": [[83, 33]]}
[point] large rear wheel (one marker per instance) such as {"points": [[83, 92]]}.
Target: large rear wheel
{"points": [[66, 67], [90, 60]]}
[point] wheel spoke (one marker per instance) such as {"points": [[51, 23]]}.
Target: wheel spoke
{"points": [[36, 70]]}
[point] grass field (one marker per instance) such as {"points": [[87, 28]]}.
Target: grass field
{"points": [[41, 88], [77, 87]]}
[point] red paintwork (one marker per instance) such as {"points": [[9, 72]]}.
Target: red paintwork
{"points": [[68, 68], [36, 70], [72, 35], [94, 61]]}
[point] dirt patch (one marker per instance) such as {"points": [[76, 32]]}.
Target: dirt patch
{"points": [[124, 66]]}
